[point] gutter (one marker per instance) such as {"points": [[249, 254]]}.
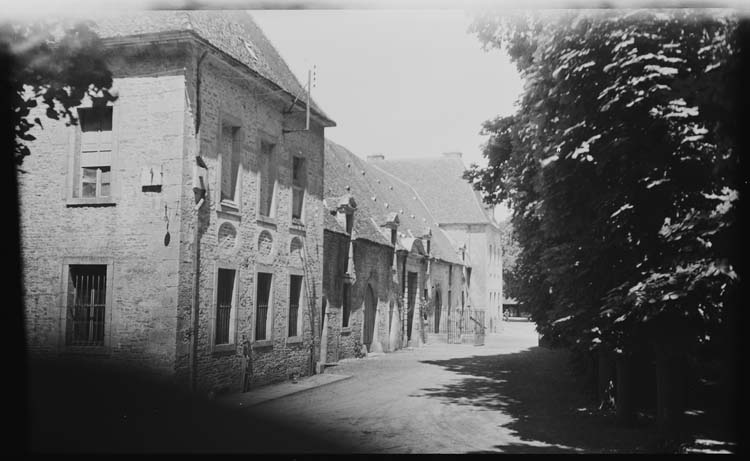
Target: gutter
{"points": [[187, 35], [195, 312]]}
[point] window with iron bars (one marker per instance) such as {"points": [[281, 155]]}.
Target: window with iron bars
{"points": [[87, 292], [224, 302], [295, 290], [263, 296]]}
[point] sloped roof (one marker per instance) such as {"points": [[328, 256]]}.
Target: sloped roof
{"points": [[379, 194], [330, 223], [233, 32], [438, 180]]}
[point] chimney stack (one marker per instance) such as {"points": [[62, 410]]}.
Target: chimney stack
{"points": [[375, 157]]}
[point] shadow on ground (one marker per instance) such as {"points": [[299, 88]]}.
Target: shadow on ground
{"points": [[546, 402], [81, 408]]}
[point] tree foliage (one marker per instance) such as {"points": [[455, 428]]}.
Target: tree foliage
{"points": [[55, 64], [620, 168]]}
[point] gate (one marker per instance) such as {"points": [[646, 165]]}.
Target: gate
{"points": [[465, 327], [478, 324]]}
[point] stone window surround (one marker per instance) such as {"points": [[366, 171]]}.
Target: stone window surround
{"points": [[303, 187], [302, 305], [74, 151], [229, 206], [231, 347], [268, 342], [86, 260], [266, 137]]}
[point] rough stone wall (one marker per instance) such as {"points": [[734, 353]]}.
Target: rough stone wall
{"points": [[372, 263], [486, 275], [226, 96], [130, 232], [443, 282], [336, 249], [413, 264]]}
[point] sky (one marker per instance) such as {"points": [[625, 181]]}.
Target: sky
{"points": [[402, 83]]}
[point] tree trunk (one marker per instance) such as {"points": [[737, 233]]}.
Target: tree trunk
{"points": [[670, 387], [625, 400], [606, 377]]}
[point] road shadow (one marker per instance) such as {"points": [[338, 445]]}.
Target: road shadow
{"points": [[74, 407], [547, 404]]}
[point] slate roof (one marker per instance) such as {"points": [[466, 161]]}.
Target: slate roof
{"points": [[233, 32], [373, 189], [449, 197]]}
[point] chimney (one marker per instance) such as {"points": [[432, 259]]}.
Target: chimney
{"points": [[375, 157], [452, 154]]}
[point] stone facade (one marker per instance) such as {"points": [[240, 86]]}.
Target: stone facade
{"points": [[178, 101], [400, 268]]}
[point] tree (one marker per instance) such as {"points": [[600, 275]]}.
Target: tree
{"points": [[620, 166], [57, 64]]}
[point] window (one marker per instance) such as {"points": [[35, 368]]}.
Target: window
{"points": [[94, 162], [267, 179], [225, 296], [295, 291], [87, 305], [299, 183], [345, 305], [230, 155], [263, 298]]}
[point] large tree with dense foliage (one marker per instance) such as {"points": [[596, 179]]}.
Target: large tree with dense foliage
{"points": [[53, 63], [621, 170]]}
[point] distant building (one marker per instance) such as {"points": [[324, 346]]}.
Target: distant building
{"points": [[460, 213], [392, 276], [133, 252]]}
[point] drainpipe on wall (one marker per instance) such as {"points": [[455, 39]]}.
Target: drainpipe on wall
{"points": [[196, 240]]}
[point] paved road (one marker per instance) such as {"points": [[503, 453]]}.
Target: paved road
{"points": [[506, 396]]}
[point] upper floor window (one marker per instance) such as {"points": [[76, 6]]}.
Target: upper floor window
{"points": [[267, 179], [94, 161], [230, 163], [299, 183]]}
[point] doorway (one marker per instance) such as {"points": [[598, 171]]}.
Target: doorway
{"points": [[370, 307]]}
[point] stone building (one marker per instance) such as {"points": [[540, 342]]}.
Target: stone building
{"points": [[390, 272], [180, 228], [460, 213]]}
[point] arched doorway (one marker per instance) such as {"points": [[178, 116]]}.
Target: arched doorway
{"points": [[438, 303], [369, 326]]}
